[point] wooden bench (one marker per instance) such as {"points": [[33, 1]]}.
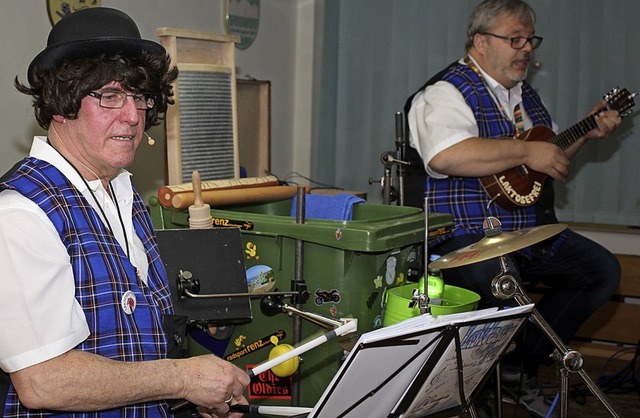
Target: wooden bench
{"points": [[617, 323]]}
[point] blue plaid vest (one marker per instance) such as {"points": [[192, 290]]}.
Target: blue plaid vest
{"points": [[103, 273], [464, 197]]}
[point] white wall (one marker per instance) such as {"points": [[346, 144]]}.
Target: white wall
{"points": [[621, 242], [281, 46]]}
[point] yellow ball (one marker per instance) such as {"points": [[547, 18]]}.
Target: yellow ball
{"points": [[286, 368]]}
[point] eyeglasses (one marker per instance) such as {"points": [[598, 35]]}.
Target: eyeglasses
{"points": [[518, 42], [116, 99]]}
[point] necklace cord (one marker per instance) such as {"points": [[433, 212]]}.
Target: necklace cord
{"points": [[102, 212]]}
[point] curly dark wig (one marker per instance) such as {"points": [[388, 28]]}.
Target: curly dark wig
{"points": [[60, 91]]}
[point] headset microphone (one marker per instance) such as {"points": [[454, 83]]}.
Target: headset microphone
{"points": [[150, 140]]}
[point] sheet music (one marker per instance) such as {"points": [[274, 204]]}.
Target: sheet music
{"points": [[481, 345], [383, 366]]}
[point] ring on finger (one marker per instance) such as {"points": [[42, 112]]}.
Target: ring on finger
{"points": [[228, 401]]}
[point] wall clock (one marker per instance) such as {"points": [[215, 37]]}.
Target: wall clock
{"points": [[242, 18], [58, 9]]}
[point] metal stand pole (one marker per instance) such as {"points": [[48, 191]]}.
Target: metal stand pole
{"points": [[505, 286], [298, 286], [386, 186], [400, 147], [498, 392]]}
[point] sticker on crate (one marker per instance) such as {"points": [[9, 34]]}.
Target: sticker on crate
{"points": [[326, 296], [243, 348], [260, 279], [251, 250], [232, 223], [377, 282], [390, 272], [267, 385]]}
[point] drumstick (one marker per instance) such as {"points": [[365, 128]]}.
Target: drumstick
{"points": [[284, 411], [348, 327]]}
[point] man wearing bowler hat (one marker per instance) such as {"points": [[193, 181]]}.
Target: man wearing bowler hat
{"points": [[85, 307]]}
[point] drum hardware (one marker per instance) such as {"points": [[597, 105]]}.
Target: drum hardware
{"points": [[271, 305], [420, 299], [388, 160], [420, 295], [189, 287], [504, 286]]}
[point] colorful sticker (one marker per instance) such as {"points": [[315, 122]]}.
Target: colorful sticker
{"points": [[251, 250], [267, 385], [244, 349], [325, 296], [260, 279], [338, 234]]}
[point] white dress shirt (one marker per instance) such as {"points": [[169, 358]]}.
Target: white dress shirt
{"points": [[440, 117], [40, 317]]}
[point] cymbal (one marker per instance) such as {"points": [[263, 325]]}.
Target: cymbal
{"points": [[497, 244]]}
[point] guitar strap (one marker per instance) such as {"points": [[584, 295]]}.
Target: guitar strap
{"points": [[517, 115]]}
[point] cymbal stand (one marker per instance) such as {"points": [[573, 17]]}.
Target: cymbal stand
{"points": [[505, 286]]}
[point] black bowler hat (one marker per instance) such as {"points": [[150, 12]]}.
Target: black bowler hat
{"points": [[90, 32]]}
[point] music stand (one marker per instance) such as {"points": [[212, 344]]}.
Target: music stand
{"points": [[422, 367]]}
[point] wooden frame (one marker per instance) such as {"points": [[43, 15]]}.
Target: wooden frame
{"points": [[201, 127], [254, 126]]}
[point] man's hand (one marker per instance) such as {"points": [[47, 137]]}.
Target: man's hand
{"points": [[547, 158], [213, 384], [607, 121]]}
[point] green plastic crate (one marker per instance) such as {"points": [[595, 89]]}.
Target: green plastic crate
{"points": [[346, 265]]}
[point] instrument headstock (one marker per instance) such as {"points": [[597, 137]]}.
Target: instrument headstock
{"points": [[621, 100]]}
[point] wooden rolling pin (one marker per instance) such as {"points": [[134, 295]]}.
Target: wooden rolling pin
{"points": [[167, 193], [220, 197]]}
